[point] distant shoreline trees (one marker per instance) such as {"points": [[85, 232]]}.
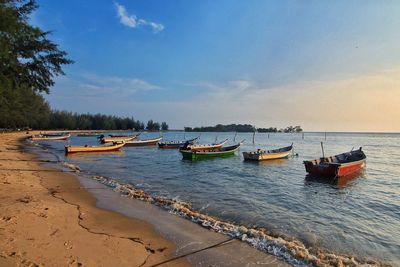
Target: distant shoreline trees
{"points": [[243, 128], [75, 121], [65, 120]]}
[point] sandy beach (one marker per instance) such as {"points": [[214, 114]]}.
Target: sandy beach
{"points": [[50, 217], [47, 219]]}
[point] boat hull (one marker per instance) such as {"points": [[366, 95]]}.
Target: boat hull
{"points": [[193, 155], [265, 156], [142, 144], [148, 142], [50, 138], [336, 166], [200, 147], [118, 139], [91, 149], [205, 154], [332, 170]]}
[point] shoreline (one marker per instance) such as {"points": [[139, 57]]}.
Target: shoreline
{"points": [[192, 241], [58, 218], [47, 218]]}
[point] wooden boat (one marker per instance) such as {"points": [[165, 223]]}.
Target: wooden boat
{"points": [[213, 153], [176, 144], [143, 142], [338, 165], [258, 155], [53, 134], [119, 139], [50, 137], [201, 147], [106, 148]]}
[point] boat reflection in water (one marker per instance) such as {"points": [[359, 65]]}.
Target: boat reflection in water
{"points": [[271, 162], [94, 155], [339, 182]]}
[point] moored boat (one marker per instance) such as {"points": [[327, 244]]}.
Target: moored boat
{"points": [[106, 148], [176, 144], [143, 142], [259, 155], [120, 139], [338, 165], [202, 147], [50, 137], [209, 153]]}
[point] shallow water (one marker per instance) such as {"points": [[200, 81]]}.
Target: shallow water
{"points": [[358, 216]]}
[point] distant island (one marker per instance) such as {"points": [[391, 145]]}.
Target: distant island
{"points": [[243, 128]]}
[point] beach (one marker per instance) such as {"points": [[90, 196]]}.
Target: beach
{"points": [[50, 217]]}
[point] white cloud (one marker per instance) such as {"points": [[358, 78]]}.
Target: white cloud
{"points": [[107, 87], [115, 85], [133, 22]]}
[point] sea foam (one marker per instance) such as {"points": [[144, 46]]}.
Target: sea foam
{"points": [[291, 250]]}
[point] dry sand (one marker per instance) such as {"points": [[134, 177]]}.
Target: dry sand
{"points": [[47, 219]]}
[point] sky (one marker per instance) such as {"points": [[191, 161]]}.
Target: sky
{"points": [[324, 65]]}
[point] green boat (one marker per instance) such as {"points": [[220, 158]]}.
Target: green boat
{"points": [[205, 154]]}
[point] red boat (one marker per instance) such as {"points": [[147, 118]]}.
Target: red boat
{"points": [[338, 165]]}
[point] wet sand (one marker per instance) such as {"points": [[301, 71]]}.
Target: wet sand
{"points": [[48, 219], [53, 218]]}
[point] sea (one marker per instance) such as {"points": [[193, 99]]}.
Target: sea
{"points": [[355, 217]]}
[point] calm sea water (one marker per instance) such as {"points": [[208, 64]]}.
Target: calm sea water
{"points": [[359, 216]]}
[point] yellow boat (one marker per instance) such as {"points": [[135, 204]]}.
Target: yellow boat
{"points": [[268, 154], [107, 148], [118, 139], [50, 137]]}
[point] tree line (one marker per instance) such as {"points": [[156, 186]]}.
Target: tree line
{"points": [[243, 128], [29, 61], [58, 120], [75, 121]]}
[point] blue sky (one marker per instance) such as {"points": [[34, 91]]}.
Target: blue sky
{"points": [[268, 63]]}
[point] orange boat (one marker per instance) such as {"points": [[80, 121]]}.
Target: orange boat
{"points": [[85, 149]]}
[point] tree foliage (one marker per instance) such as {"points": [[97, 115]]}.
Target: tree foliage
{"points": [[267, 130], [75, 121], [28, 58], [23, 107], [164, 126], [292, 129], [242, 128], [223, 128], [28, 63], [152, 126]]}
